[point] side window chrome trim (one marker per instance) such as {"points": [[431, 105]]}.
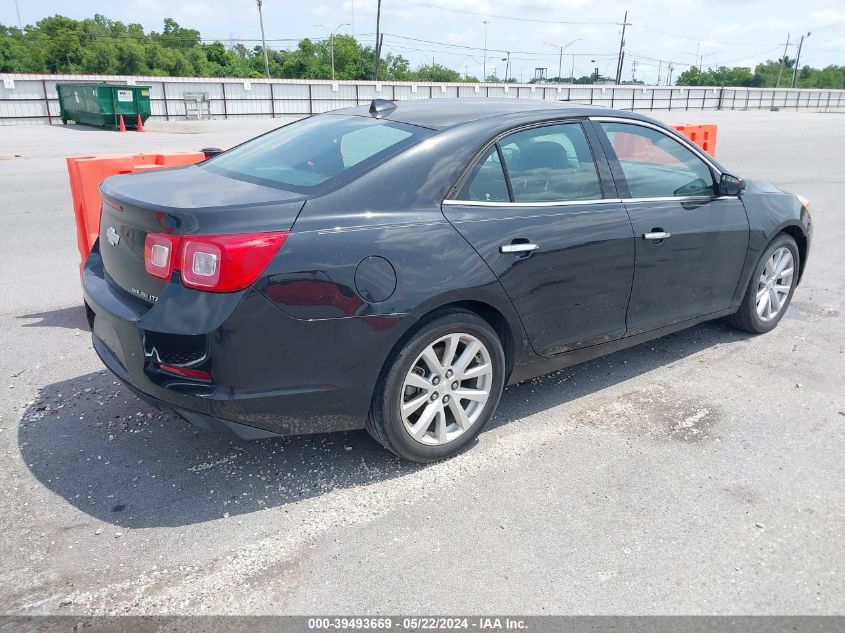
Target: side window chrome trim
{"points": [[546, 203], [671, 199], [565, 203], [685, 142]]}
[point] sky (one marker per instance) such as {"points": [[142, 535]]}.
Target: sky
{"points": [[452, 32]]}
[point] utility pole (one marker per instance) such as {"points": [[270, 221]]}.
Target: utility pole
{"points": [[659, 68], [572, 71], [634, 71], [671, 69], [619, 59], [263, 42], [507, 61], [798, 59], [378, 40], [17, 9], [783, 60], [485, 23]]}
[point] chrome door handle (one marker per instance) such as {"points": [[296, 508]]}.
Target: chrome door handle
{"points": [[658, 235], [518, 248]]}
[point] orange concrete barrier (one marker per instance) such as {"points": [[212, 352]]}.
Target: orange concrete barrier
{"points": [[702, 135], [87, 172], [638, 148]]}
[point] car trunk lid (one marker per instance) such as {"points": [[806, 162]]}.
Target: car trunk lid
{"points": [[183, 201]]}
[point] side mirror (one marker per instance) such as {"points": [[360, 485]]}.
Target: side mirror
{"points": [[731, 185], [211, 151]]}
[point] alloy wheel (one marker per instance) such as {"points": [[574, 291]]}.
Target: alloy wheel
{"points": [[775, 284], [446, 389]]}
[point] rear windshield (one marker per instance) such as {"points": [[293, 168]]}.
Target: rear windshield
{"points": [[310, 152]]}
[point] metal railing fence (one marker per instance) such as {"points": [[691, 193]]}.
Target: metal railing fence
{"points": [[32, 98]]}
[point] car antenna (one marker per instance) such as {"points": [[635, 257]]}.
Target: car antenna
{"points": [[380, 107]]}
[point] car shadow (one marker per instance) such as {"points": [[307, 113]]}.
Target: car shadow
{"points": [[90, 441], [72, 318]]}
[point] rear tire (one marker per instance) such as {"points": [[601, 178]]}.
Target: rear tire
{"points": [[439, 388], [770, 288]]}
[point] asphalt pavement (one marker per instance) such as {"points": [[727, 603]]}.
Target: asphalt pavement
{"points": [[701, 473]]}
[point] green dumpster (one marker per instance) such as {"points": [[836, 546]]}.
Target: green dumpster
{"points": [[101, 105]]}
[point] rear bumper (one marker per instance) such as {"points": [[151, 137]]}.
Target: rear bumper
{"points": [[201, 420], [271, 374]]}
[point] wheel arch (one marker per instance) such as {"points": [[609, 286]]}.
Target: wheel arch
{"points": [[497, 321], [796, 232], [510, 334]]}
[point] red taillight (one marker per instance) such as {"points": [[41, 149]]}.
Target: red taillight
{"points": [[160, 250], [217, 263], [185, 372]]}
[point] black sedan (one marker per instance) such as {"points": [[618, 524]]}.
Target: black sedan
{"points": [[394, 266]]}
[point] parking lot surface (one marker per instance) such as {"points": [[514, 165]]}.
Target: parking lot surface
{"points": [[699, 473]]}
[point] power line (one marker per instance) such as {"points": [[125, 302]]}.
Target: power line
{"points": [[573, 22], [504, 17], [693, 38], [540, 54]]}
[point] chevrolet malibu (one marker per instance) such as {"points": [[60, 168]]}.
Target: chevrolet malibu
{"points": [[393, 266]]}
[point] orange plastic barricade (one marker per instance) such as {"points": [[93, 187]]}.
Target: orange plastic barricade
{"points": [[638, 148], [87, 172], [702, 135]]}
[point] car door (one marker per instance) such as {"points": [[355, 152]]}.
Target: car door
{"points": [[691, 242], [533, 207]]}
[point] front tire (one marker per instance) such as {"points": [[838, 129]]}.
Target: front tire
{"points": [[770, 289], [440, 388]]}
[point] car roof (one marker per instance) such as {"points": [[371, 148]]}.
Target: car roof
{"points": [[439, 114]]}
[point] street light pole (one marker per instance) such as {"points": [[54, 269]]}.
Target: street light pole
{"points": [[560, 57], [263, 42], [485, 22], [331, 40], [560, 65]]}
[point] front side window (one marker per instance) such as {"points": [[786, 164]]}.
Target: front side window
{"points": [[552, 163], [310, 152], [657, 166]]}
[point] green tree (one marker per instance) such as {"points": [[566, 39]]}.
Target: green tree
{"points": [[59, 44], [435, 72], [721, 76], [174, 36], [12, 50]]}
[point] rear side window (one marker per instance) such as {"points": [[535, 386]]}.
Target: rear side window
{"points": [[551, 163], [488, 183], [657, 166], [311, 152]]}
